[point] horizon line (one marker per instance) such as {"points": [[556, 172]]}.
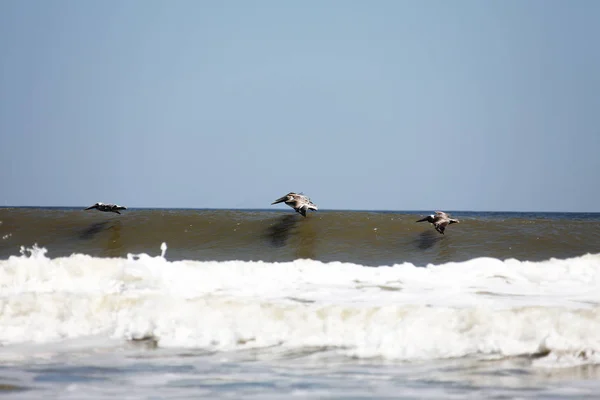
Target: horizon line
{"points": [[321, 210]]}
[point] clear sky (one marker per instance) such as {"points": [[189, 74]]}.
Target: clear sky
{"points": [[395, 105]]}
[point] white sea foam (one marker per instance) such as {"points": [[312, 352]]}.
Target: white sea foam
{"points": [[481, 306]]}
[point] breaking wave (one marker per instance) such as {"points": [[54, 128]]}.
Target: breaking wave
{"points": [[548, 310]]}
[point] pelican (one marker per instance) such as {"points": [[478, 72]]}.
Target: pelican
{"points": [[439, 220], [299, 202], [107, 207]]}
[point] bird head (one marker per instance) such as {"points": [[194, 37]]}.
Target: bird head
{"points": [[287, 197], [94, 206]]}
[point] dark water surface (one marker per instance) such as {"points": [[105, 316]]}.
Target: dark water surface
{"points": [[368, 238]]}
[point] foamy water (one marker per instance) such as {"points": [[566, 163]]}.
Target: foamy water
{"points": [[548, 310]]}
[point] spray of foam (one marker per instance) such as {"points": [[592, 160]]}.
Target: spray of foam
{"points": [[481, 306], [34, 251]]}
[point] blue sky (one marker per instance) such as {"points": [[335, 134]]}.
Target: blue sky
{"points": [[395, 105]]}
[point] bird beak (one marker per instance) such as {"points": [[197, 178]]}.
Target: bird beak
{"points": [[121, 208], [90, 207], [280, 200], [421, 220]]}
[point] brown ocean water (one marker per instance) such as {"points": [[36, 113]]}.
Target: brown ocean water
{"points": [[114, 323], [362, 237]]}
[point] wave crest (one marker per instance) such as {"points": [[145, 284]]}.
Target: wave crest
{"points": [[483, 306]]}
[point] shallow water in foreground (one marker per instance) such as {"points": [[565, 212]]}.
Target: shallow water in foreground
{"points": [[133, 372]]}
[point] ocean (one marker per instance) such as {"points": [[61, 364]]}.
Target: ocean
{"points": [[264, 304]]}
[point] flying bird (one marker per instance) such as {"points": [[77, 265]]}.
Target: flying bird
{"points": [[440, 221], [107, 207], [299, 202]]}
